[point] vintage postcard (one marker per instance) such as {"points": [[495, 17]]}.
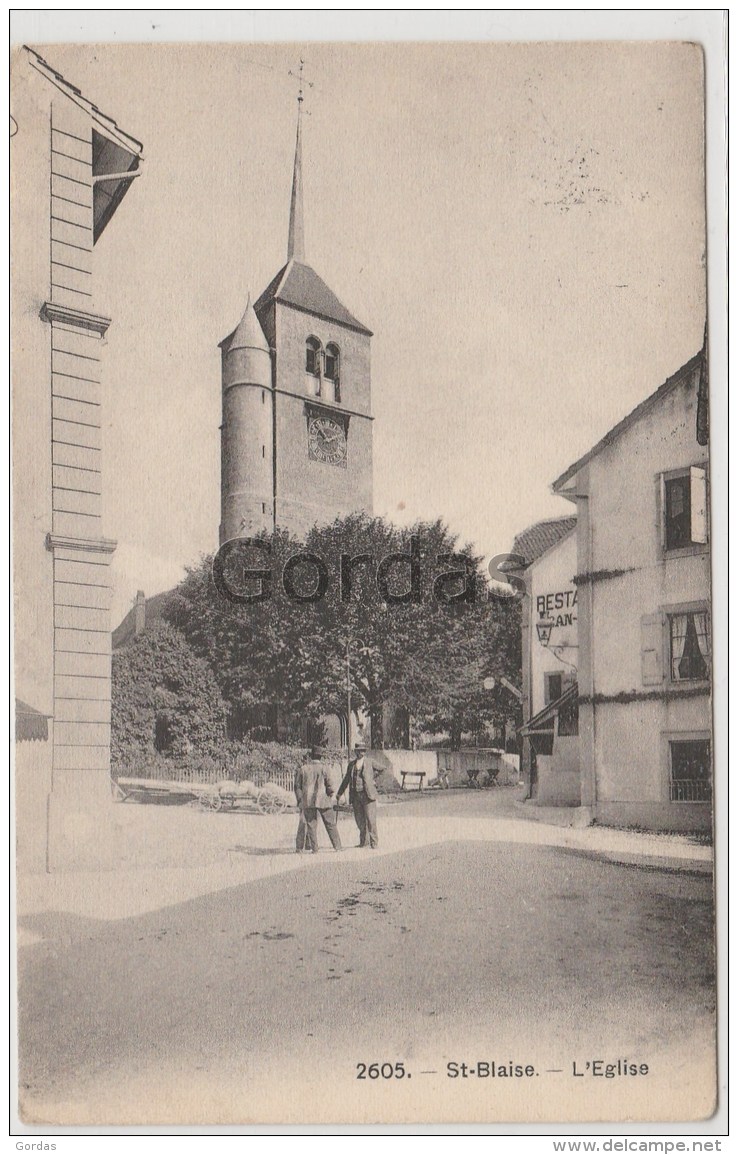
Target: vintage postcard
{"points": [[364, 759]]}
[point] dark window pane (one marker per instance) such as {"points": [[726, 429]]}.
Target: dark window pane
{"points": [[677, 513], [553, 687], [312, 356], [691, 774]]}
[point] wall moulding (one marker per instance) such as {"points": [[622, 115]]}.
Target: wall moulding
{"points": [[64, 314]]}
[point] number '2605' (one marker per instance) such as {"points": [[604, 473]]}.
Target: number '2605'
{"points": [[380, 1071]]}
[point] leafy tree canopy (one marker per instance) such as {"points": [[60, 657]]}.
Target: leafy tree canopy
{"points": [[410, 608], [163, 696]]}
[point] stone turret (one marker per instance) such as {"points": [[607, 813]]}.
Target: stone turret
{"points": [[247, 457]]}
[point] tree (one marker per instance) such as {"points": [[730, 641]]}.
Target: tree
{"points": [[408, 611], [164, 698]]}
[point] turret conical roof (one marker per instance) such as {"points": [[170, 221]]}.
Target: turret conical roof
{"points": [[248, 333]]}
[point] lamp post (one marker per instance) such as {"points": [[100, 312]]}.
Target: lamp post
{"points": [[358, 643], [348, 697]]}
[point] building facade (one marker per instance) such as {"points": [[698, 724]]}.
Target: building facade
{"points": [[550, 749], [545, 557], [643, 584], [71, 165], [296, 437]]}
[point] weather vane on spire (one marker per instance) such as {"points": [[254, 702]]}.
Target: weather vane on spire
{"points": [[301, 80], [296, 240]]}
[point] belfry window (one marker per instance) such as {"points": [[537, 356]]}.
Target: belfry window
{"points": [[331, 362], [332, 368], [312, 356]]}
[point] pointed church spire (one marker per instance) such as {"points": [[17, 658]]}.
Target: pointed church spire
{"points": [[296, 242]]}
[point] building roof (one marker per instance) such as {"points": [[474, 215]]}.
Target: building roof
{"points": [[537, 539], [299, 286], [116, 155], [106, 123], [631, 418], [126, 631]]}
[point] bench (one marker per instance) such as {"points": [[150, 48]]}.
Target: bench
{"points": [[419, 774]]}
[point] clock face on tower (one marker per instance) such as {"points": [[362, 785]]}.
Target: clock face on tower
{"points": [[326, 441]]}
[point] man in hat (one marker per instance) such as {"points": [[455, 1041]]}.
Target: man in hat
{"points": [[363, 794], [316, 794]]}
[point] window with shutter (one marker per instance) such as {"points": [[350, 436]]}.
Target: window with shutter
{"points": [[684, 508], [652, 649]]}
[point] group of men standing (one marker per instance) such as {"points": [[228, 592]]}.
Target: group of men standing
{"points": [[319, 793]]}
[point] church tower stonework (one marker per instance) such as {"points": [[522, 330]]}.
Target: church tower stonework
{"points": [[296, 438]]}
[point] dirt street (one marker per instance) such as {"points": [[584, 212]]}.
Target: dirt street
{"points": [[209, 1011]]}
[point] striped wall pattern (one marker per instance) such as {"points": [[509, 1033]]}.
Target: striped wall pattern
{"points": [[82, 586], [71, 211]]}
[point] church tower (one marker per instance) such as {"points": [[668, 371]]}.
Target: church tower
{"points": [[296, 446]]}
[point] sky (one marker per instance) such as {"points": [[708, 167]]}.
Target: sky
{"points": [[521, 226]]}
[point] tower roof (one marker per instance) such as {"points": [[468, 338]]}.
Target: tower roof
{"points": [[298, 285], [296, 239], [248, 333]]}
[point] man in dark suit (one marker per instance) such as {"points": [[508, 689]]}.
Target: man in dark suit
{"points": [[363, 794], [316, 795]]}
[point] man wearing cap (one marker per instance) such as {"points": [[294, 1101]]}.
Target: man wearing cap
{"points": [[316, 794], [363, 794]]}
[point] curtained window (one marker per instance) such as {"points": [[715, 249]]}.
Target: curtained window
{"points": [[690, 646]]}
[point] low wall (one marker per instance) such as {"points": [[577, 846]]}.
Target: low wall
{"points": [[395, 762]]}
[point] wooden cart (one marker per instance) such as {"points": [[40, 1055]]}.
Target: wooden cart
{"points": [[228, 795]]}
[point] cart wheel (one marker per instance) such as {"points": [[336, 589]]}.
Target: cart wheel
{"points": [[216, 802], [204, 801], [270, 803]]}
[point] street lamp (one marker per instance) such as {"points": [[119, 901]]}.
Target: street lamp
{"points": [[543, 629]]}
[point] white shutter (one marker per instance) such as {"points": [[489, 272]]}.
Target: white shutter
{"points": [[698, 504], [652, 649]]}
